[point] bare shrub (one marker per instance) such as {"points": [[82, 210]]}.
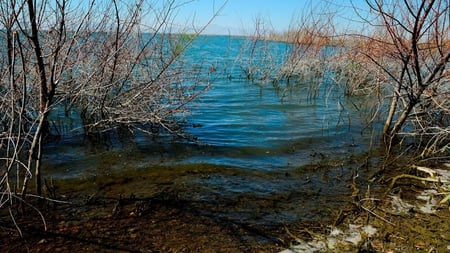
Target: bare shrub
{"points": [[302, 60], [354, 72], [258, 57], [310, 37], [97, 63], [410, 45]]}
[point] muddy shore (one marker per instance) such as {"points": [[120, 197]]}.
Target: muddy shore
{"points": [[155, 211]]}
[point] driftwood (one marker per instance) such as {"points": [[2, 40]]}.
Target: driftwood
{"points": [[433, 178]]}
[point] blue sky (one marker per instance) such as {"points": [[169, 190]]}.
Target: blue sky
{"points": [[238, 16]]}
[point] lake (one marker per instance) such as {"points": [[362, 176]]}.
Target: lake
{"points": [[267, 132]]}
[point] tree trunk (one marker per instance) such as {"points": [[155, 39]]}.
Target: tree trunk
{"points": [[401, 120], [388, 123], [35, 152]]}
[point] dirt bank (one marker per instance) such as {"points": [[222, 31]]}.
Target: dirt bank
{"points": [[152, 212]]}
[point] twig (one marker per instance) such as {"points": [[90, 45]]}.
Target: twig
{"points": [[36, 196], [424, 179], [427, 170], [292, 235], [376, 215], [39, 212], [15, 223]]}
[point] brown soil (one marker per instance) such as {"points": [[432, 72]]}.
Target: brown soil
{"points": [[136, 226], [157, 224], [106, 218], [140, 211]]}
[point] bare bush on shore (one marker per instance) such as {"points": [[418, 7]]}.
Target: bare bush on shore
{"points": [[401, 58], [410, 46], [105, 64], [258, 59], [298, 56]]}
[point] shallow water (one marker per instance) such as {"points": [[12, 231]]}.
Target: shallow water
{"points": [[259, 127]]}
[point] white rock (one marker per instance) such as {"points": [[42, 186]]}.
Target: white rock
{"points": [[369, 230], [336, 232], [353, 237]]}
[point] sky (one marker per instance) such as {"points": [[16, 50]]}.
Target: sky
{"points": [[238, 16]]}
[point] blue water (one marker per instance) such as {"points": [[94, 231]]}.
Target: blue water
{"points": [[264, 130], [254, 124]]}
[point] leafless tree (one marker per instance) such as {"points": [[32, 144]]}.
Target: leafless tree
{"points": [[309, 36], [112, 64], [411, 46], [257, 58], [302, 58]]}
